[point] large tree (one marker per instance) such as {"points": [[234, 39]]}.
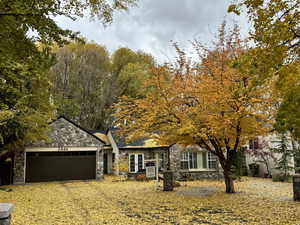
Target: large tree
{"points": [[24, 86], [78, 78], [87, 81], [276, 35], [214, 103]]}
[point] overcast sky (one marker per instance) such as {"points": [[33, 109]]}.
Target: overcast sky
{"points": [[155, 23]]}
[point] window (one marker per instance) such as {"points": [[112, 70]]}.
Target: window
{"points": [[136, 163], [212, 161], [253, 144], [197, 160], [184, 164]]}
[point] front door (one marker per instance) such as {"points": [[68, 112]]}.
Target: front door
{"points": [[136, 162], [105, 158]]}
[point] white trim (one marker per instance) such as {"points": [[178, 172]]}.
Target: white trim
{"points": [[25, 160], [199, 170], [136, 161], [56, 149]]}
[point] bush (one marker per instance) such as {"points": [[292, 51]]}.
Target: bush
{"points": [[176, 184], [141, 177], [281, 178]]}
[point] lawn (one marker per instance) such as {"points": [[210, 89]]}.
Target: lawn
{"points": [[257, 201]]}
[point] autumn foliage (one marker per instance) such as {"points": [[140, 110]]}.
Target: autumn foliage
{"points": [[213, 102]]}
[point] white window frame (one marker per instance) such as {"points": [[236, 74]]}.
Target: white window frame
{"points": [[212, 158], [136, 162], [197, 169]]}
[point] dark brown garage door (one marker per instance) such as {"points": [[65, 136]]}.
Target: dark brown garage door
{"points": [[57, 166]]}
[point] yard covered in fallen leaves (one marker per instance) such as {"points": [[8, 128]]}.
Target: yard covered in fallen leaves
{"points": [[257, 201]]}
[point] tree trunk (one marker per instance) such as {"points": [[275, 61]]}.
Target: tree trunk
{"points": [[229, 183]]}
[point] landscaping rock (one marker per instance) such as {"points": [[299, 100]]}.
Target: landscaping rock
{"points": [[5, 213]]}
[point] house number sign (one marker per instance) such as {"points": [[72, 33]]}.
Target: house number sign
{"points": [[63, 148]]}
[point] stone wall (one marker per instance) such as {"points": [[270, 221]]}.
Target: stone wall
{"points": [[19, 168], [148, 155], [99, 165], [175, 158], [64, 133], [198, 175]]}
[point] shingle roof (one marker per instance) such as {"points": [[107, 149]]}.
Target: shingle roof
{"points": [[142, 142]]}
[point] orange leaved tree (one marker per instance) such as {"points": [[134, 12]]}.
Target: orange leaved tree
{"points": [[213, 102]]}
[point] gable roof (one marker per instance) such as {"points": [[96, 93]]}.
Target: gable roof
{"points": [[79, 127], [102, 136], [65, 132], [144, 143]]}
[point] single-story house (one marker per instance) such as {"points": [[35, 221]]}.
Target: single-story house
{"points": [[187, 162], [73, 153]]}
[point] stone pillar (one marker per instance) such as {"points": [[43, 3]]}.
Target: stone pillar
{"points": [[99, 164], [296, 187], [168, 181], [5, 213], [19, 168], [109, 162], [175, 158]]}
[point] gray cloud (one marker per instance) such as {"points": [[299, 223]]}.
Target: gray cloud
{"points": [[154, 23]]}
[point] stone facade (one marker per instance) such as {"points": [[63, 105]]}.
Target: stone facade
{"points": [[65, 133], [62, 133], [179, 174], [149, 156], [175, 157], [198, 175], [19, 168], [99, 165]]}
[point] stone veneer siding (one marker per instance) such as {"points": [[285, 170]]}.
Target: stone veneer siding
{"points": [[148, 155], [62, 134], [99, 165], [19, 168], [175, 158]]}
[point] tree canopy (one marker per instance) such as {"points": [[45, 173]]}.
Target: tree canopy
{"points": [[212, 102], [87, 81], [276, 35], [25, 104]]}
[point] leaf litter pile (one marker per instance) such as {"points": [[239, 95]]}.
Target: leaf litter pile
{"points": [[257, 201]]}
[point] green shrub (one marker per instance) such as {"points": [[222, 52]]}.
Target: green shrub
{"points": [[281, 178]]}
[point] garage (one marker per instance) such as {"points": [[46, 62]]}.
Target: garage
{"points": [[69, 153], [59, 166]]}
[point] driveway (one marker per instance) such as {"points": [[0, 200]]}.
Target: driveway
{"points": [[258, 201]]}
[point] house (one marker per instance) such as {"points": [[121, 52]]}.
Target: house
{"points": [[71, 153], [135, 157], [266, 159], [187, 162]]}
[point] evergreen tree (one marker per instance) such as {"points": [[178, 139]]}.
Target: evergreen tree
{"points": [[286, 153]]}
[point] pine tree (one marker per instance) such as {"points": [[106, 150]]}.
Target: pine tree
{"points": [[286, 153]]}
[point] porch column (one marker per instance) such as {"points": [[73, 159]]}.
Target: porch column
{"points": [[19, 167], [99, 164]]}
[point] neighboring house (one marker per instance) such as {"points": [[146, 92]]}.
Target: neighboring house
{"points": [[267, 162], [71, 153]]}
